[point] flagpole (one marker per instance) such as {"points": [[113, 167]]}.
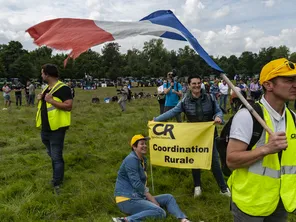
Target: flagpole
{"points": [[247, 104], [152, 182]]}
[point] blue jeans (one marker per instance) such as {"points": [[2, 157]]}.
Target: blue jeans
{"points": [[140, 209], [223, 101], [54, 142], [216, 170], [31, 99]]}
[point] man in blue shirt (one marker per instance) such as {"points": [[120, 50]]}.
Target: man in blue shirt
{"points": [[173, 92]]}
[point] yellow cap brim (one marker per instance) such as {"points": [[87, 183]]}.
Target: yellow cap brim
{"points": [[290, 73]]}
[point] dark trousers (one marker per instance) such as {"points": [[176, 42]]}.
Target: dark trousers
{"points": [[279, 215], [54, 142], [27, 98], [31, 99], [178, 117], [216, 170], [161, 107], [223, 101], [18, 99]]}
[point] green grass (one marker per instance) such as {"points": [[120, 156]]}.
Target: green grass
{"points": [[95, 146]]}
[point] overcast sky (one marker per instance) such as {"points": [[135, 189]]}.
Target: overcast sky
{"points": [[222, 27]]}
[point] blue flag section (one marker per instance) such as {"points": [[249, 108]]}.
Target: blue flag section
{"points": [[167, 18]]}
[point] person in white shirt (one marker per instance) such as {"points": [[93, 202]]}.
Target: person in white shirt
{"points": [[6, 94], [223, 87]]}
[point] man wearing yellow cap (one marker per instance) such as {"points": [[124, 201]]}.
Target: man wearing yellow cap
{"points": [[263, 179]]}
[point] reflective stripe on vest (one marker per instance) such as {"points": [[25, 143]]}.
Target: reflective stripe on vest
{"points": [[256, 190], [56, 118], [257, 168], [50, 108]]}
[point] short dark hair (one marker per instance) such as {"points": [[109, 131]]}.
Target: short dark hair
{"points": [[51, 70], [136, 143], [193, 77]]}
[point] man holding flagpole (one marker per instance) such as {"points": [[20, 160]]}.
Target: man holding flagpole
{"points": [[263, 181]]}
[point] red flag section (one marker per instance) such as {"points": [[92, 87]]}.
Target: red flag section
{"points": [[77, 35]]}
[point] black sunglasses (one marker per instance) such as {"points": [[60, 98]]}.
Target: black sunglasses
{"points": [[289, 64]]}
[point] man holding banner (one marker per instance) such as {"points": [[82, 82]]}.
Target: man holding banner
{"points": [[200, 107]]}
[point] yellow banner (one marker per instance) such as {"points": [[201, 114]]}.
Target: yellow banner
{"points": [[181, 145]]}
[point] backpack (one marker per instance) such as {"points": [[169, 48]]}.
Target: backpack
{"points": [[222, 141]]}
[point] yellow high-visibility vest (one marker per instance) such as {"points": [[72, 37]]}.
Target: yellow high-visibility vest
{"points": [[57, 118], [256, 190]]}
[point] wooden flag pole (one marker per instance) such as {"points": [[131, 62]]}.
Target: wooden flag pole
{"points": [[246, 103]]}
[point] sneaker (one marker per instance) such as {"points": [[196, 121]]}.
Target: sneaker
{"points": [[118, 219], [185, 220], [226, 192], [197, 192], [56, 190]]}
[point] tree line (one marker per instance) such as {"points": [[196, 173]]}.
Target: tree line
{"points": [[154, 60]]}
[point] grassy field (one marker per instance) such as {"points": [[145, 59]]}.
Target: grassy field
{"points": [[95, 145]]}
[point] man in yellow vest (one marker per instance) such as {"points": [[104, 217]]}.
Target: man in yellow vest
{"points": [[263, 181], [54, 118]]}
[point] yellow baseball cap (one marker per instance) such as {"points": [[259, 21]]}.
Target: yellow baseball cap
{"points": [[138, 137], [275, 68]]}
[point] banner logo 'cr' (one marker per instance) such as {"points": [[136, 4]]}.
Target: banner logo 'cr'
{"points": [[164, 129]]}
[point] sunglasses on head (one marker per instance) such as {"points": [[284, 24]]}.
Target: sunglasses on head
{"points": [[289, 64]]}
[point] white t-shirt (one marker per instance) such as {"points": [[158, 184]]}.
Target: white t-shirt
{"points": [[6, 90], [223, 89], [203, 86], [242, 124]]}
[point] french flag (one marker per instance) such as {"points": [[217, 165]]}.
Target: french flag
{"points": [[78, 35]]}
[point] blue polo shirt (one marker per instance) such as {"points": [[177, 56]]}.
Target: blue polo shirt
{"points": [[172, 99]]}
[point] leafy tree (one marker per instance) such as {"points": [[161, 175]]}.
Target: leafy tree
{"points": [[281, 52], [293, 57], [246, 63], [111, 60], [23, 68], [157, 57], [10, 53]]}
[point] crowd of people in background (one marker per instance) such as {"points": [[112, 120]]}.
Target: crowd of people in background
{"points": [[167, 99], [19, 89], [250, 89]]}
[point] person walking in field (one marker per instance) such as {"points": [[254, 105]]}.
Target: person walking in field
{"points": [[54, 118], [124, 91]]}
